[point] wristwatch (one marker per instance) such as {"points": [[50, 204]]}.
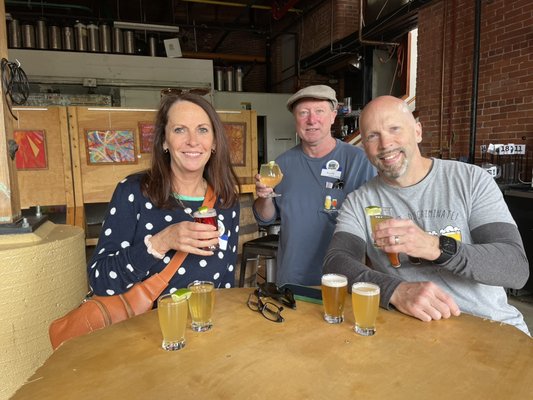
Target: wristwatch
{"points": [[448, 248]]}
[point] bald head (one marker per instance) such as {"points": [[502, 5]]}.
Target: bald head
{"points": [[385, 104], [390, 136]]}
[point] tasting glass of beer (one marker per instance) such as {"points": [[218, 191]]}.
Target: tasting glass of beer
{"points": [[333, 296], [207, 216], [386, 213], [365, 304], [201, 305], [172, 312]]}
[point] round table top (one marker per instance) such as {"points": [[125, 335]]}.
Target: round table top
{"points": [[245, 356]]}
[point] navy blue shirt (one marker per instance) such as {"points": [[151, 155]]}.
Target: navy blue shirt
{"points": [[120, 258]]}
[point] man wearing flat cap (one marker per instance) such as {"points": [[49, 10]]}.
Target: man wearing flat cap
{"points": [[318, 173]]}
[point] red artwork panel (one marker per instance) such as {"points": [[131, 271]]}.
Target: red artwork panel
{"points": [[31, 153]]}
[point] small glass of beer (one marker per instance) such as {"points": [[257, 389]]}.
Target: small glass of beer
{"points": [[205, 215], [172, 312], [375, 219], [365, 303], [201, 305], [333, 296]]}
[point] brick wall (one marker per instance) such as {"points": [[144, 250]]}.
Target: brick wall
{"points": [[505, 96]]}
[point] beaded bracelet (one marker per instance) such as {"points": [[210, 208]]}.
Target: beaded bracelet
{"points": [[150, 249]]}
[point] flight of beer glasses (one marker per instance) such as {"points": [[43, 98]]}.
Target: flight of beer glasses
{"points": [[378, 214], [271, 176]]}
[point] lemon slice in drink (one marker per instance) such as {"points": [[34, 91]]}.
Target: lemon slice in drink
{"points": [[373, 210], [203, 209], [271, 164], [180, 294]]}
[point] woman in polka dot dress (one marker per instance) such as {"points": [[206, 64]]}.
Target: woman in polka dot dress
{"points": [[150, 213]]}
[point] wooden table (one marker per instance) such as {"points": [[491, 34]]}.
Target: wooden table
{"points": [[245, 356]]}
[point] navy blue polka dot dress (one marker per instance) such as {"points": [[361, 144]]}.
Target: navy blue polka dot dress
{"points": [[120, 258]]}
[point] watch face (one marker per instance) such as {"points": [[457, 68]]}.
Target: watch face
{"points": [[448, 245]]}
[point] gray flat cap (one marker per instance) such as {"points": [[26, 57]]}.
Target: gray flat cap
{"points": [[320, 92]]}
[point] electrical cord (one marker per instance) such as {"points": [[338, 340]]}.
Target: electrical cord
{"points": [[14, 84]]}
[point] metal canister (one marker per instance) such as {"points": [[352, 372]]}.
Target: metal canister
{"points": [[129, 42], [229, 79], [15, 39], [54, 37], [118, 40], [219, 79], [28, 36], [80, 35], [42, 34], [152, 46], [93, 42], [68, 38], [238, 79], [105, 38]]}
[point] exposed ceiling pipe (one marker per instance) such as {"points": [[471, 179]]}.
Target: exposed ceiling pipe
{"points": [[231, 4], [236, 20], [41, 4], [278, 13], [370, 42]]}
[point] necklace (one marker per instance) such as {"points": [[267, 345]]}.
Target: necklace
{"points": [[180, 198]]}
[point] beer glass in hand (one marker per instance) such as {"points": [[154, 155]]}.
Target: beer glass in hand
{"points": [[377, 215], [271, 176]]}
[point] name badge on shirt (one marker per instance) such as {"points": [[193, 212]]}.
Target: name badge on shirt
{"points": [[332, 169]]}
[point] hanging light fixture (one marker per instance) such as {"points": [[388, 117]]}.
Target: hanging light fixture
{"points": [[355, 62]]}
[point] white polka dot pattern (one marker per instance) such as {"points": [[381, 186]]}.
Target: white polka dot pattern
{"points": [[121, 259]]}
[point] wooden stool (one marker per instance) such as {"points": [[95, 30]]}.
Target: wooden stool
{"points": [[266, 246]]}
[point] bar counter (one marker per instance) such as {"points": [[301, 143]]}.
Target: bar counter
{"points": [[245, 356]]}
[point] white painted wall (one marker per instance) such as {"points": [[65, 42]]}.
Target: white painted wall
{"points": [[280, 132]]}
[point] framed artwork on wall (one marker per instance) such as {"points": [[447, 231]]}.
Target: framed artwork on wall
{"points": [[236, 133], [146, 135], [31, 152], [110, 146]]}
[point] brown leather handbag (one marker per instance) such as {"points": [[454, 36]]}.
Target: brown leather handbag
{"points": [[98, 312]]}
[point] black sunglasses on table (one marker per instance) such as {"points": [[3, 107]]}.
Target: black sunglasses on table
{"points": [[281, 295], [269, 310]]}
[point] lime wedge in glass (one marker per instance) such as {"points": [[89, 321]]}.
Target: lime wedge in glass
{"points": [[180, 294], [373, 210], [203, 209]]}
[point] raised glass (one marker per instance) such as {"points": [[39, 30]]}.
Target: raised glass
{"points": [[271, 176], [377, 215]]}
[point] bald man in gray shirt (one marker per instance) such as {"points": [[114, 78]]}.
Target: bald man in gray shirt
{"points": [[458, 244]]}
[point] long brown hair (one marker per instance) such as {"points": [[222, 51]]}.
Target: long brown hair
{"points": [[218, 172]]}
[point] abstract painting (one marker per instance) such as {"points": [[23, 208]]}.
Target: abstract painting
{"points": [[146, 133], [112, 146], [31, 153], [236, 133]]}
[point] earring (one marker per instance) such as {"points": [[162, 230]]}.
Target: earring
{"points": [[165, 151], [213, 151]]}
